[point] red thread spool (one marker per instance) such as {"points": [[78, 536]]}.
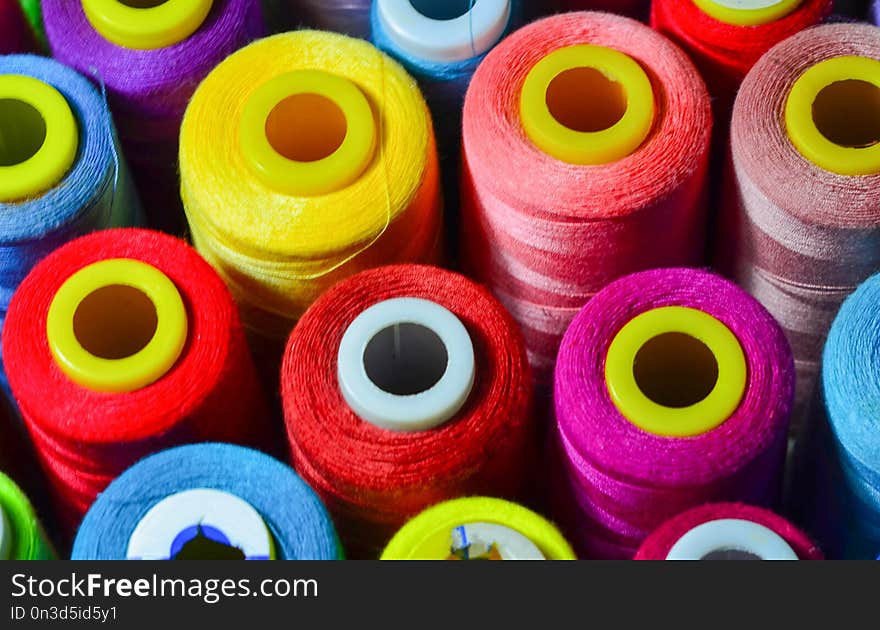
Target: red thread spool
{"points": [[658, 545], [85, 437], [373, 479], [725, 52]]}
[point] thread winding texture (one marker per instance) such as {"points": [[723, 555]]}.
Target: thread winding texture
{"points": [[277, 251], [546, 235], [797, 237], [632, 8], [617, 483], [85, 438], [15, 34], [373, 479], [723, 52], [29, 542], [350, 17], [658, 545], [148, 90], [94, 194], [297, 520]]}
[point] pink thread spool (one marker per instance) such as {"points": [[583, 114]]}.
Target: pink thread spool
{"points": [[673, 388], [545, 224], [800, 224]]}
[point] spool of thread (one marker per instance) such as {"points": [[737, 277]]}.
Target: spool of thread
{"points": [[61, 174], [478, 528], [305, 158], [612, 124], [405, 386], [34, 14], [207, 502], [637, 9], [349, 17], [659, 369], [150, 56], [800, 225], [21, 534], [728, 531], [15, 34], [839, 485], [132, 334], [725, 38]]}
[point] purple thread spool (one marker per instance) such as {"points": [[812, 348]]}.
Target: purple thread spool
{"points": [[149, 88], [614, 482]]}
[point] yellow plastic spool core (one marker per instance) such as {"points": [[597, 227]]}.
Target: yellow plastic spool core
{"points": [[676, 372], [308, 132], [116, 326], [146, 24], [832, 115], [427, 536], [38, 137], [747, 12], [587, 105]]}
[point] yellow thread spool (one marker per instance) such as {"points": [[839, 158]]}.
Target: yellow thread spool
{"points": [[427, 536], [747, 12], [146, 24], [587, 105], [116, 326], [676, 372], [38, 137], [832, 115]]}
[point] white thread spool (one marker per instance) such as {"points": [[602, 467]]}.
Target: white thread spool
{"points": [[222, 517], [406, 364], [731, 539], [479, 538], [6, 536], [438, 30]]}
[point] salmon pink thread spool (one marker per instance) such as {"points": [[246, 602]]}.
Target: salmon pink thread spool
{"points": [[612, 123], [122, 343], [658, 370], [637, 9], [800, 224], [728, 531], [402, 387]]}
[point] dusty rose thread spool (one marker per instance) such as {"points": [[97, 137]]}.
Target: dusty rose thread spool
{"points": [[800, 225], [586, 135]]}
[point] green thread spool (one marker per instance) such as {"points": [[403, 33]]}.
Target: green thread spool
{"points": [[22, 536]]}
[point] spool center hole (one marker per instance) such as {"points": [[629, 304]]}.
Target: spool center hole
{"points": [[22, 131], [142, 4], [306, 127], [848, 113], [442, 9], [405, 359], [115, 322], [730, 554], [201, 547], [585, 100], [675, 370]]}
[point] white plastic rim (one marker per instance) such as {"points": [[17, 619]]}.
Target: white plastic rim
{"points": [[747, 5], [731, 535], [476, 540], [6, 535], [175, 517], [444, 41], [406, 413]]}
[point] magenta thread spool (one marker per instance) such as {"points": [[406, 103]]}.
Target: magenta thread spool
{"points": [[673, 388]]}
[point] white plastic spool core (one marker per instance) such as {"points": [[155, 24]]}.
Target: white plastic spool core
{"points": [[488, 541], [731, 539], [444, 31], [222, 518], [406, 365], [6, 536]]}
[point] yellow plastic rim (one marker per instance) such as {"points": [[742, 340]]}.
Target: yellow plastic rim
{"points": [[317, 177], [45, 168], [696, 419], [146, 28], [427, 536], [587, 147], [801, 125], [132, 372], [747, 12]]}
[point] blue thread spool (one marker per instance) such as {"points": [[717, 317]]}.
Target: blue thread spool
{"points": [[92, 191], [234, 492]]}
